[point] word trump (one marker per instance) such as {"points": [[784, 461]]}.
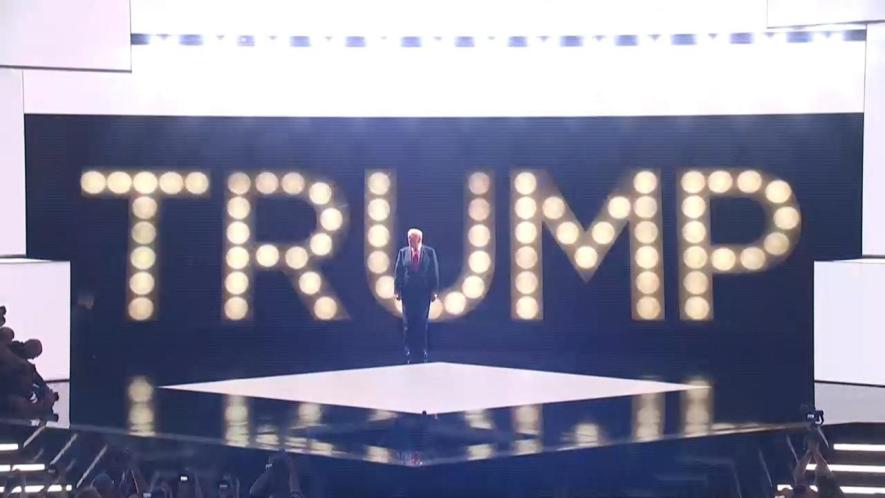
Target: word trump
{"points": [[535, 203]]}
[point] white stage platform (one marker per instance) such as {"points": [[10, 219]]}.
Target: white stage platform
{"points": [[434, 388]]}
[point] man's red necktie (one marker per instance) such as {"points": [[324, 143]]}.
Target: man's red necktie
{"points": [[414, 258]]}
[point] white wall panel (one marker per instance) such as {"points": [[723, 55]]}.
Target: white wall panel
{"points": [[874, 144], [12, 164], [446, 17], [811, 12], [849, 338], [766, 78], [73, 34], [37, 295]]}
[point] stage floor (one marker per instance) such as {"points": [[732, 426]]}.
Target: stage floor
{"points": [[434, 388], [406, 415]]}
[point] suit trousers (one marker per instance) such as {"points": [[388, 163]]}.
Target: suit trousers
{"points": [[415, 311]]}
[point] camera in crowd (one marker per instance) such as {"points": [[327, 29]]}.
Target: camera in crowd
{"points": [[813, 417]]}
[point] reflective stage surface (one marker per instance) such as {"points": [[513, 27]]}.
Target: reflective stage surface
{"points": [[409, 415]]}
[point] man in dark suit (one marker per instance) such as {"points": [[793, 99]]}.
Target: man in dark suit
{"points": [[417, 285]]}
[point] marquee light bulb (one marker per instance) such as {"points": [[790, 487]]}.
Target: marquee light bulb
{"points": [[693, 182], [196, 183], [553, 208], [266, 183], [293, 183], [586, 257], [145, 182], [93, 182], [320, 193], [171, 183], [479, 183], [325, 308], [645, 182], [239, 183], [525, 183], [479, 209], [749, 182]]}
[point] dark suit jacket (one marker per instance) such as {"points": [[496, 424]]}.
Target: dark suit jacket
{"points": [[421, 282]]}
